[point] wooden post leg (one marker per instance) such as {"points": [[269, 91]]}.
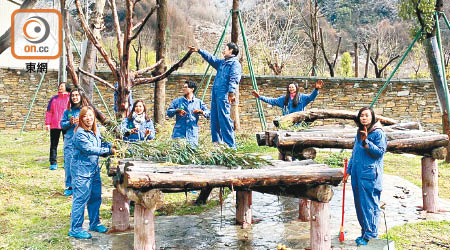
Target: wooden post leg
{"points": [[144, 228], [244, 208], [430, 184], [320, 226], [304, 208], [120, 212]]}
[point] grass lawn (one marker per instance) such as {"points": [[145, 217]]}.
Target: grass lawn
{"points": [[35, 215]]}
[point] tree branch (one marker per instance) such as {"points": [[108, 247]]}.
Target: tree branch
{"points": [[139, 81], [145, 70], [337, 51], [389, 62], [5, 39], [96, 78], [95, 41], [117, 27], [142, 23]]}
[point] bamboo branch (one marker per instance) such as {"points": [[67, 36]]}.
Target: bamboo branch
{"points": [[95, 41], [96, 78], [142, 23], [390, 61], [139, 81]]}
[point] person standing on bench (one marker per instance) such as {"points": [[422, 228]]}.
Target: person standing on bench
{"points": [[366, 168], [229, 72]]}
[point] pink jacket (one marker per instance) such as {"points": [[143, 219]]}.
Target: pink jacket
{"points": [[55, 110]]}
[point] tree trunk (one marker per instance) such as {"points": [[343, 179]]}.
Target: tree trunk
{"points": [[366, 69], [234, 39], [144, 228], [244, 208], [434, 63], [356, 60], [62, 77], [89, 58], [120, 212], [304, 209], [160, 86]]}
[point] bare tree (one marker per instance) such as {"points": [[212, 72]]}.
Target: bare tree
{"points": [[331, 65], [274, 27], [311, 21], [120, 68]]}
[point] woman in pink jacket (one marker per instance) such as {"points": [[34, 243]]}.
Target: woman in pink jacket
{"points": [[55, 111]]}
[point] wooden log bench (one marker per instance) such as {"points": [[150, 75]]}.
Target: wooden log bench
{"points": [[401, 137], [145, 182]]}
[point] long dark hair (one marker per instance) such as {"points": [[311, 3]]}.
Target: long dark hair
{"points": [[130, 115], [358, 119], [82, 102], [288, 95]]}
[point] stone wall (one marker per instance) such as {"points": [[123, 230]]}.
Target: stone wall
{"points": [[404, 100]]}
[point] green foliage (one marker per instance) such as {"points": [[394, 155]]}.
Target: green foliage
{"points": [[293, 127], [334, 159], [412, 9], [345, 68], [165, 149]]}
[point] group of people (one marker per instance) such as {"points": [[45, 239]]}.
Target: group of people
{"points": [[83, 145]]}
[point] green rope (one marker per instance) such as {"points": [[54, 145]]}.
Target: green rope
{"points": [[261, 115], [444, 76], [95, 85], [396, 67], [218, 47], [32, 102]]}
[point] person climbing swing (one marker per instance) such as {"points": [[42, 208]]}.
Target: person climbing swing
{"points": [[293, 101], [187, 110], [229, 72], [366, 168]]}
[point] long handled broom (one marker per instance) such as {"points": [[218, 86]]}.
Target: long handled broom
{"points": [[341, 233]]}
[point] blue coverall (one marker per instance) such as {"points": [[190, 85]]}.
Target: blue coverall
{"points": [[228, 76], [187, 126], [128, 124], [302, 102], [68, 145], [86, 182], [366, 168]]}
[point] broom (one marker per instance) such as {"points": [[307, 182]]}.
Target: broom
{"points": [[341, 233]]}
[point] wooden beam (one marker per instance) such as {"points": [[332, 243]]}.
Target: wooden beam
{"points": [[320, 238], [314, 114], [120, 212], [430, 185], [144, 228], [244, 208]]}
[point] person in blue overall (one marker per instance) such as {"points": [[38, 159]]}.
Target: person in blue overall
{"points": [[187, 110], [138, 126], [229, 72], [366, 168], [85, 170], [68, 122], [293, 101]]}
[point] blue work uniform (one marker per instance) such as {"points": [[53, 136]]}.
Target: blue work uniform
{"points": [[86, 182], [228, 76], [127, 125], [303, 100], [366, 168], [186, 126], [68, 145]]}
